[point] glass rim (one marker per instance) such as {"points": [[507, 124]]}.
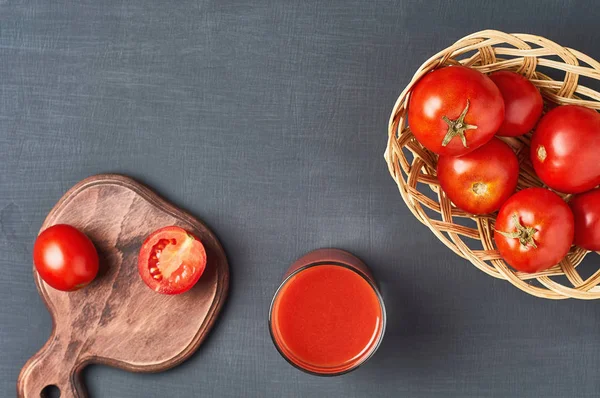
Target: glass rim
{"points": [[379, 299]]}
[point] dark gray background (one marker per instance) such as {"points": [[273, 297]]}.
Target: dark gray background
{"points": [[269, 121]]}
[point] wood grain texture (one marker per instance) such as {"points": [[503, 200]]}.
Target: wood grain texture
{"points": [[117, 320]]}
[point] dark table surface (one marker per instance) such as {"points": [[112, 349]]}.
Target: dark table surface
{"points": [[269, 121]]}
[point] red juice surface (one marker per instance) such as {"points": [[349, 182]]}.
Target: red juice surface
{"points": [[326, 318]]}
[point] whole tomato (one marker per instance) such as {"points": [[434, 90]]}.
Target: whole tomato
{"points": [[523, 103], [65, 257], [534, 230], [565, 149], [480, 181], [455, 110], [586, 210]]}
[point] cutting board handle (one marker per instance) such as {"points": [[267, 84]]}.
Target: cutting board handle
{"points": [[55, 364]]}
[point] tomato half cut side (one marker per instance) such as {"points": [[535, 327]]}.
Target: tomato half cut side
{"points": [[171, 260]]}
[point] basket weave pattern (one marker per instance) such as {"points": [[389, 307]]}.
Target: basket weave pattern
{"points": [[413, 166]]}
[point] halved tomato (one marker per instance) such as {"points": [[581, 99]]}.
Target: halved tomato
{"points": [[171, 260]]}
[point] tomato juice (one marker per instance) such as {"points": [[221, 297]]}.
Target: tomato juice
{"points": [[327, 317]]}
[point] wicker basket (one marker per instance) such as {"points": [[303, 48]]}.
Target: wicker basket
{"points": [[413, 167]]}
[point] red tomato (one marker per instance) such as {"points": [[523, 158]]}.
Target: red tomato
{"points": [[455, 110], [565, 148], [534, 230], [65, 257], [586, 210], [171, 260], [523, 103], [480, 181]]}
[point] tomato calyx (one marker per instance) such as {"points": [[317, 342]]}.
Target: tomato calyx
{"points": [[524, 234], [457, 128]]}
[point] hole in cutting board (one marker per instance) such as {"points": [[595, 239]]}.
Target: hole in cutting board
{"points": [[50, 392]]}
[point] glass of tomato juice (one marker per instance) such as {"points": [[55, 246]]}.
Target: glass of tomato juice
{"points": [[327, 317]]}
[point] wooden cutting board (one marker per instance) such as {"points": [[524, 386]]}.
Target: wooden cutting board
{"points": [[117, 320]]}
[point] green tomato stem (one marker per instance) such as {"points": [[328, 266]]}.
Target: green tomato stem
{"points": [[458, 127], [524, 234]]}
